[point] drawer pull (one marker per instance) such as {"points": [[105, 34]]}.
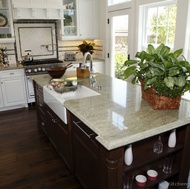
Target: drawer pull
{"points": [[43, 124], [54, 120], [40, 105], [88, 135]]}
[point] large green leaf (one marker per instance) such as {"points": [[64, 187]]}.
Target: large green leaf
{"points": [[129, 71], [180, 81], [173, 71], [151, 81], [167, 64], [151, 49], [172, 58], [157, 65], [169, 81], [149, 57], [130, 62], [165, 51], [144, 66], [141, 56], [159, 48], [156, 71], [177, 53]]}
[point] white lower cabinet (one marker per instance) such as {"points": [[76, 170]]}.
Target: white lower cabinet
{"points": [[1, 99], [12, 88]]}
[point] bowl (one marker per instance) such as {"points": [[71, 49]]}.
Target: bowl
{"points": [[56, 71], [152, 175], [140, 180], [62, 86], [57, 82]]}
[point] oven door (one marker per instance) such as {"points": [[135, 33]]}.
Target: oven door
{"points": [[30, 90]]}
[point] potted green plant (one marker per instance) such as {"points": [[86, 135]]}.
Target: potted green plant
{"points": [[86, 47], [163, 75]]}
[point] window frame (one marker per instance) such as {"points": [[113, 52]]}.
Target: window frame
{"points": [[110, 2], [143, 14]]}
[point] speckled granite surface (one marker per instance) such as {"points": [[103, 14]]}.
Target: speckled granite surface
{"points": [[11, 67], [119, 116]]}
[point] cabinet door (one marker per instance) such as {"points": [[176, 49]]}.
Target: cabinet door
{"points": [[14, 92], [6, 31], [70, 23], [80, 20], [88, 19], [85, 155], [1, 98], [60, 137], [36, 3]]}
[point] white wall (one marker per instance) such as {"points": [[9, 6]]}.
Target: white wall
{"points": [[182, 38]]}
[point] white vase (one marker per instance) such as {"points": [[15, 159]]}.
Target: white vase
{"points": [[172, 139], [128, 156]]}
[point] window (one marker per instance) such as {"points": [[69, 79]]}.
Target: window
{"points": [[113, 2], [160, 24]]}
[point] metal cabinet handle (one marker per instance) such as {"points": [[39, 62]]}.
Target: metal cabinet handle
{"points": [[43, 123], [88, 135], [54, 120], [40, 105]]}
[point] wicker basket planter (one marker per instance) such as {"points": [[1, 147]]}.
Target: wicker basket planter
{"points": [[159, 102]]}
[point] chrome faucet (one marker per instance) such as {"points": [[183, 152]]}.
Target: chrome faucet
{"points": [[91, 77]]}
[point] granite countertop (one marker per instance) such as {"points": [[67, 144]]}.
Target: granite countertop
{"points": [[11, 67], [119, 116]]}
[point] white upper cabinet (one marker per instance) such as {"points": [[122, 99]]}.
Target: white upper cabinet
{"points": [[88, 18], [80, 20], [37, 3], [6, 23], [77, 19], [37, 9]]}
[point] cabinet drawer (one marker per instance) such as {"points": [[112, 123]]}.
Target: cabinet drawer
{"points": [[86, 134], [12, 73]]}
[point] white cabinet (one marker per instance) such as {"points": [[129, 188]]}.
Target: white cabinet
{"points": [[80, 20], [1, 99], [6, 25], [88, 19], [37, 3], [13, 91], [37, 9]]}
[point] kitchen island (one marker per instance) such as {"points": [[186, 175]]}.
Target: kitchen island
{"points": [[116, 118]]}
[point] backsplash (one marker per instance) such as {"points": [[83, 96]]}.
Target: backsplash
{"points": [[72, 47]]}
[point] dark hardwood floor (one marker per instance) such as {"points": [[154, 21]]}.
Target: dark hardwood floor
{"points": [[27, 158]]}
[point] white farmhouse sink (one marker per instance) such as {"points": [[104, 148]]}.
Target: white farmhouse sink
{"points": [[56, 100]]}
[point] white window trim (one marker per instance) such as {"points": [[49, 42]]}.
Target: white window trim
{"points": [[143, 21]]}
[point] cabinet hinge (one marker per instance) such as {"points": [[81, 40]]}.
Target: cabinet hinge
{"points": [[108, 55]]}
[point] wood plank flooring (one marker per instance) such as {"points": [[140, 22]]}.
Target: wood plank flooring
{"points": [[27, 159]]}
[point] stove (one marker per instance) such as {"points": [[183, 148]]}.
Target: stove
{"points": [[37, 67]]}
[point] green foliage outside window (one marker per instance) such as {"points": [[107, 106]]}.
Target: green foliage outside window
{"points": [[162, 26], [120, 58]]}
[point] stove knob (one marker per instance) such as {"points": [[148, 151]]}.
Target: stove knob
{"points": [[39, 69], [29, 70], [35, 70], [43, 69]]}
